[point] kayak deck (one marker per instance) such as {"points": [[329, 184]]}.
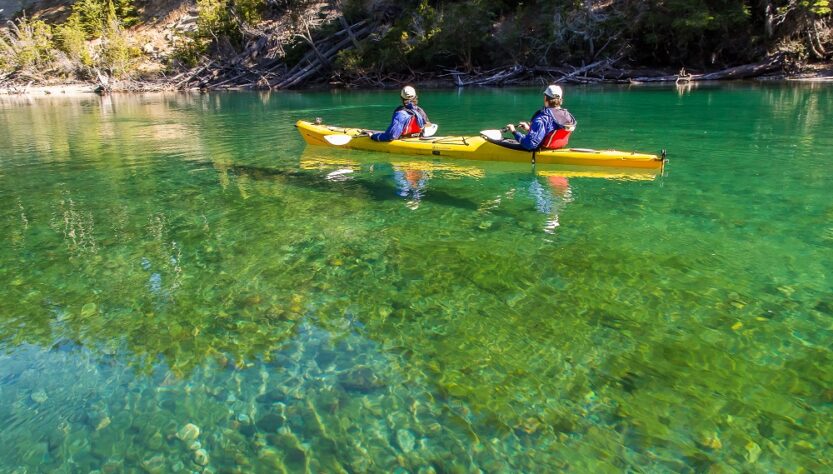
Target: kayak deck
{"points": [[478, 148]]}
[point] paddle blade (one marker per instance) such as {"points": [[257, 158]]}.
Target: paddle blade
{"points": [[430, 130], [338, 140], [495, 135]]}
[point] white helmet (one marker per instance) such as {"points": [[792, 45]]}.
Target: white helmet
{"points": [[552, 91], [408, 93]]}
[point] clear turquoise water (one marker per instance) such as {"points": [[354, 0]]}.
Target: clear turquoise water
{"points": [[174, 259]]}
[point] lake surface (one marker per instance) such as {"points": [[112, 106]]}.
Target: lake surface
{"points": [[185, 286]]}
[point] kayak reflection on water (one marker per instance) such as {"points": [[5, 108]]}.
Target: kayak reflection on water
{"points": [[551, 187]]}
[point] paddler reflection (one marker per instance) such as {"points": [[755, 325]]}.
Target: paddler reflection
{"points": [[552, 190], [411, 184], [551, 194]]}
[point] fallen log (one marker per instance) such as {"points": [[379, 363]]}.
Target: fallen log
{"points": [[310, 55], [585, 69], [315, 66], [746, 71], [743, 72], [491, 77]]}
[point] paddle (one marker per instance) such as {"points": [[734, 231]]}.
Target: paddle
{"points": [[497, 135], [494, 135], [343, 139]]}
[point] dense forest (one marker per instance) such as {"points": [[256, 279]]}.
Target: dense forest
{"points": [[287, 43]]}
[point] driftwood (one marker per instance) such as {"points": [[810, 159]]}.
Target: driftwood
{"points": [[747, 71], [586, 69], [14, 89], [259, 65], [591, 73], [492, 77], [297, 75]]}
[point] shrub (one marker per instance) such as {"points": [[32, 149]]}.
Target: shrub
{"points": [[116, 55], [350, 63], [250, 11], [70, 38], [90, 16], [26, 44]]}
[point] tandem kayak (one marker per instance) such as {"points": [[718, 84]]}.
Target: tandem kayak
{"points": [[479, 148]]}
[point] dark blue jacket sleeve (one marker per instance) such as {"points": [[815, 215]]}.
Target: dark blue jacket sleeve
{"points": [[400, 119], [537, 132]]}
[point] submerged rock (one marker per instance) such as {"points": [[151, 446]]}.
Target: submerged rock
{"points": [[154, 465], [271, 422], [188, 433], [272, 396], [113, 466], [753, 452], [155, 441], [295, 456], [272, 459], [406, 440], [104, 423], [39, 397], [88, 310], [201, 457], [360, 379], [711, 440]]}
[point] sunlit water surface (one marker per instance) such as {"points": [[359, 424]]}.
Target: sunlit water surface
{"points": [[185, 286]]}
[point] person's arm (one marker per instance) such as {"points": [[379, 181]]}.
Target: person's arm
{"points": [[532, 140], [400, 119]]}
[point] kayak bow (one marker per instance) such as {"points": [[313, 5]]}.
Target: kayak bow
{"points": [[478, 148]]}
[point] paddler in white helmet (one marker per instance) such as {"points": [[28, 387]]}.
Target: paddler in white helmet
{"points": [[550, 127], [409, 120]]}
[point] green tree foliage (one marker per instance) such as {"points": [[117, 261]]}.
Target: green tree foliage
{"points": [[70, 38], [92, 16], [464, 32], [250, 11], [471, 34], [701, 32], [89, 16], [105, 21], [117, 55], [818, 7]]}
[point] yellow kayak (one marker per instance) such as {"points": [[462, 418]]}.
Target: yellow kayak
{"points": [[478, 148]]}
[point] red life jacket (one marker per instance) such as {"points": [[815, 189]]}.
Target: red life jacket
{"points": [[412, 129], [557, 138]]}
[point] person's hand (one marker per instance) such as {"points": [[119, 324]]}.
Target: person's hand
{"points": [[524, 126], [510, 127]]}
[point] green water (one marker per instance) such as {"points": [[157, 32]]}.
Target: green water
{"points": [[176, 259]]}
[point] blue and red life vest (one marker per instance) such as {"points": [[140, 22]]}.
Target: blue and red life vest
{"points": [[559, 137], [412, 128]]}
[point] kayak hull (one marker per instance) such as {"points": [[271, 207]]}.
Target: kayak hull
{"points": [[478, 148]]}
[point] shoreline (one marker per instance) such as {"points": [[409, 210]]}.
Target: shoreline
{"points": [[75, 89]]}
